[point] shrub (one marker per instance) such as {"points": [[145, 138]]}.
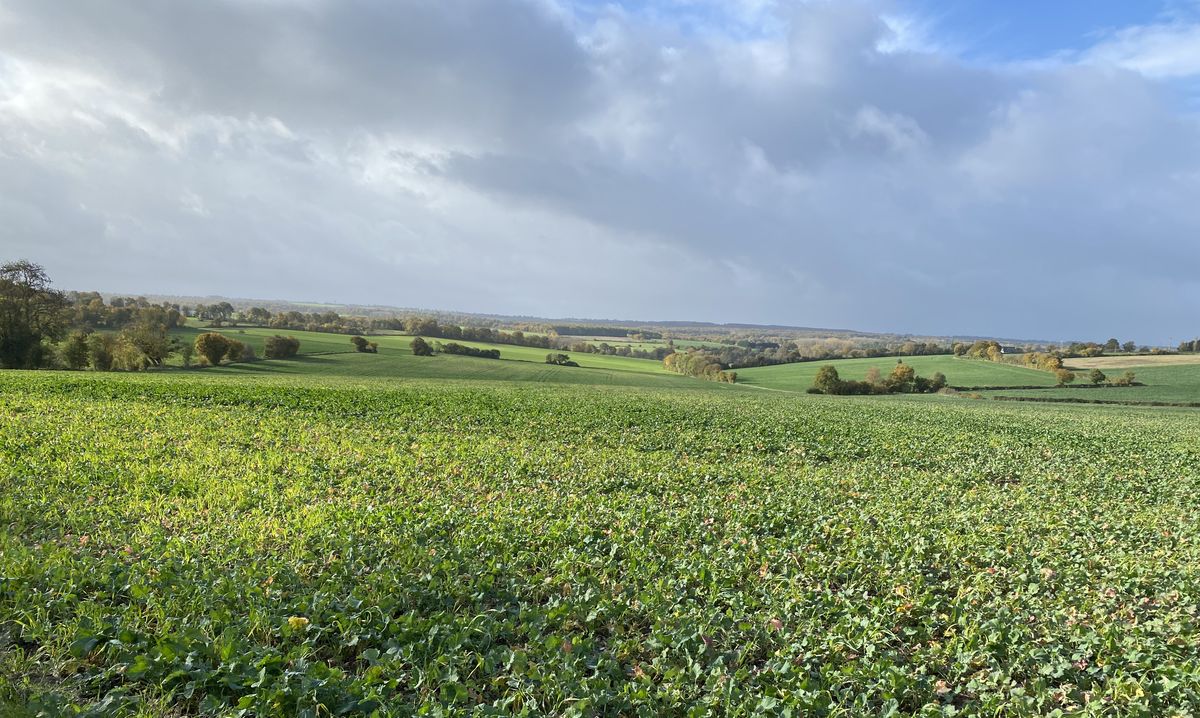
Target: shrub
{"points": [[1064, 376], [281, 347], [560, 360], [236, 351], [421, 348], [1126, 379], [827, 380], [1097, 376], [212, 346]]}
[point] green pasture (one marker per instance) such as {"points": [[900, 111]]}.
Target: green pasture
{"points": [[1169, 383], [959, 372], [332, 355]]}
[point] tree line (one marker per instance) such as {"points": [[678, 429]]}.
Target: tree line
{"points": [[583, 330], [745, 354], [903, 379], [43, 328], [465, 350], [700, 364], [657, 353]]}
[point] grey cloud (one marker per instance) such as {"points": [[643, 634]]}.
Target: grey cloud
{"points": [[532, 157]]}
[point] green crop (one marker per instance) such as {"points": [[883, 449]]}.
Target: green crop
{"points": [[208, 545]]}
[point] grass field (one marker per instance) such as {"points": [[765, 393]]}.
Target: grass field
{"points": [[1164, 382], [208, 542], [331, 355], [959, 372]]}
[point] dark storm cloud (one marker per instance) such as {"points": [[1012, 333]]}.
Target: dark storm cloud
{"points": [[803, 162]]}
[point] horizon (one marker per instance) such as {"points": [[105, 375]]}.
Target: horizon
{"points": [[249, 301], [894, 166]]}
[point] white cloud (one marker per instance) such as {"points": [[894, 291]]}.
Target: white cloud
{"points": [[1164, 51]]}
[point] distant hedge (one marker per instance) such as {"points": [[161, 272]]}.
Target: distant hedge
{"points": [[464, 350]]}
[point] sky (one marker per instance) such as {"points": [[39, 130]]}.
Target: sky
{"points": [[1020, 169]]}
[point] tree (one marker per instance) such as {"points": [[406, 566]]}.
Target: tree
{"points": [[258, 316], [874, 376], [279, 347], [1064, 377], [1112, 345], [827, 380], [1050, 362], [1129, 347], [902, 378], [221, 312], [212, 346], [421, 348], [360, 344], [127, 356], [100, 351], [185, 352], [1097, 376], [75, 350], [151, 339], [31, 313], [937, 382]]}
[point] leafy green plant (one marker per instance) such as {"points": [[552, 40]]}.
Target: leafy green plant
{"points": [[196, 544]]}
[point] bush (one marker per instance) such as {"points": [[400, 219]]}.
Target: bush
{"points": [[212, 346], [827, 380], [362, 345], [236, 351], [1126, 379], [560, 360], [1097, 376], [421, 348], [1064, 376], [280, 347]]}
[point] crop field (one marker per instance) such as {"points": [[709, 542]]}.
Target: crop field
{"points": [[215, 543], [1131, 360], [959, 372]]}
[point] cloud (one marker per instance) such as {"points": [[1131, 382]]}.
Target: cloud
{"points": [[813, 163], [1167, 50]]}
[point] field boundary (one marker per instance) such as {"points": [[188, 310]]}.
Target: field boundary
{"points": [[1043, 387], [1116, 402]]}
